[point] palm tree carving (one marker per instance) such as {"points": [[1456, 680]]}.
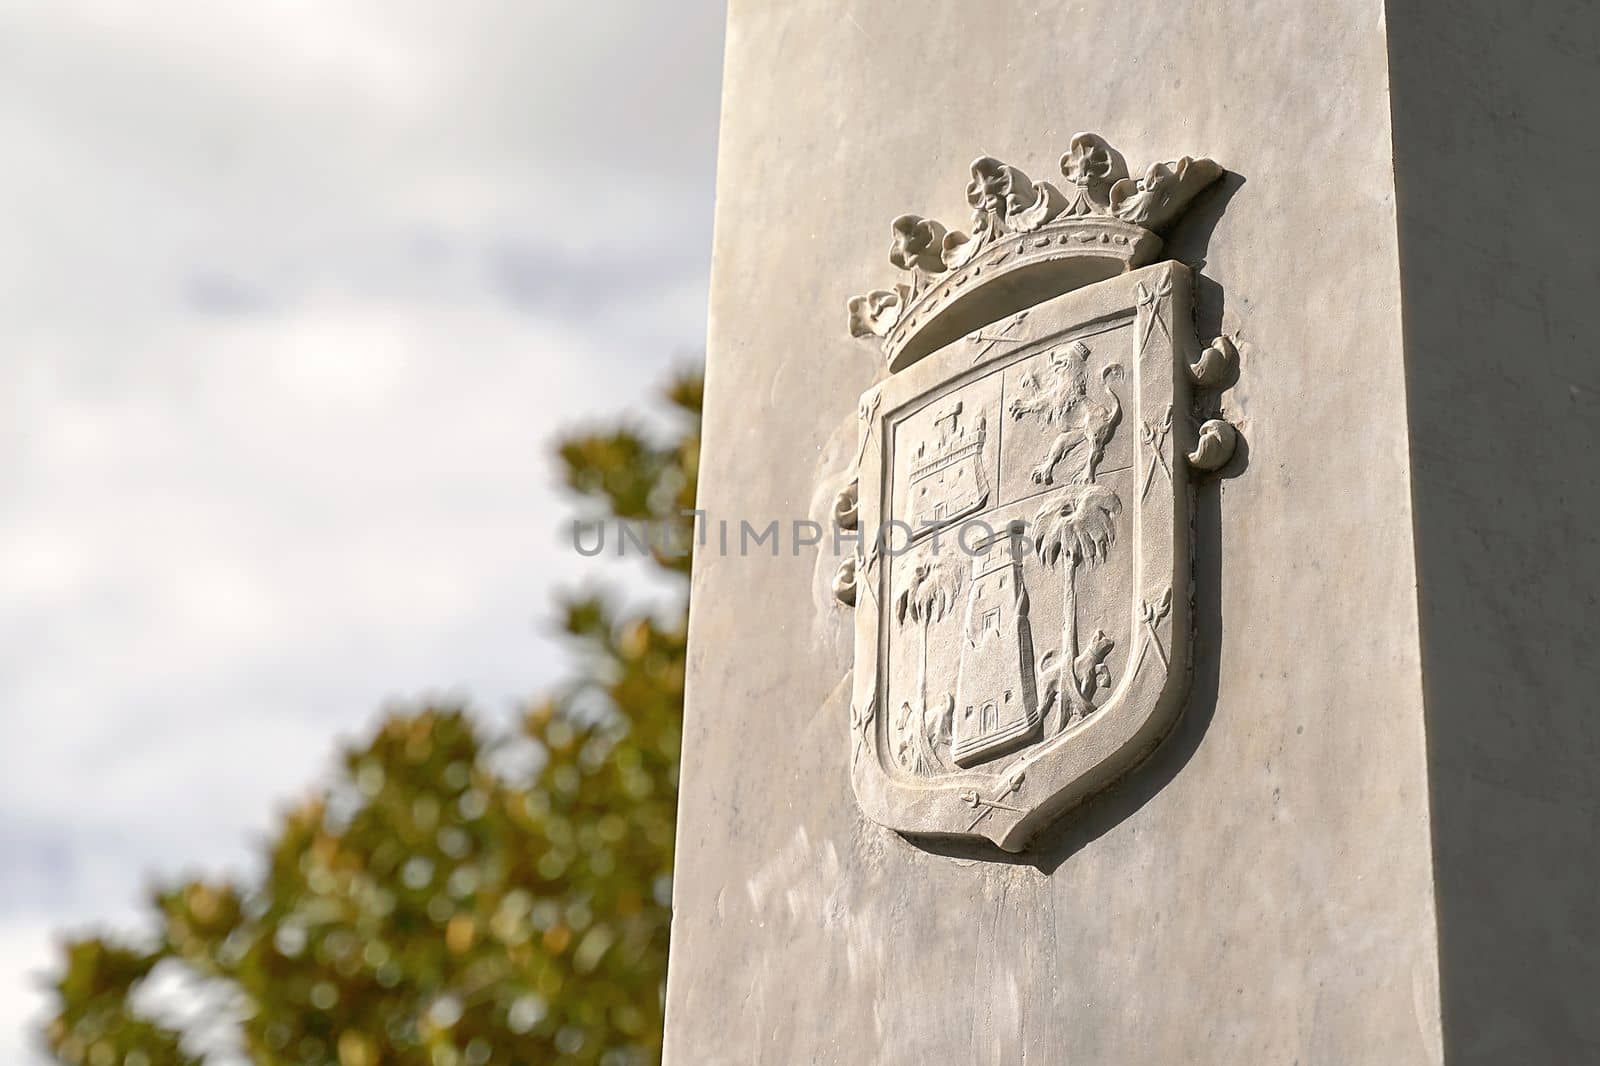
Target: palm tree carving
{"points": [[1076, 530], [933, 592]]}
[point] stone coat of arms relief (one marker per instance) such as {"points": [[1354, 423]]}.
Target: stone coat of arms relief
{"points": [[1022, 498]]}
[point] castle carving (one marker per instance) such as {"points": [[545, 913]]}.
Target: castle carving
{"points": [[997, 707], [947, 477]]}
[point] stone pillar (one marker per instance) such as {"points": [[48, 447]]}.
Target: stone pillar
{"points": [[1333, 799], [1495, 149]]}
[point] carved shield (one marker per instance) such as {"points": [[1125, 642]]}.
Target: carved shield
{"points": [[1023, 591]]}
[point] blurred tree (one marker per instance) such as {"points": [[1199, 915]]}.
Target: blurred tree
{"points": [[431, 908]]}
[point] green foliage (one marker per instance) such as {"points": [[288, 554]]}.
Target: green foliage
{"points": [[637, 478], [430, 908], [94, 1023]]}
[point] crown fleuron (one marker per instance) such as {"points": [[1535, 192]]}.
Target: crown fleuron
{"points": [[1042, 240]]}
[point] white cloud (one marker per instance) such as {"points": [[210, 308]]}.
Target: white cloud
{"points": [[297, 296]]}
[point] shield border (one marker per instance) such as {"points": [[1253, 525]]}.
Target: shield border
{"points": [[1010, 807]]}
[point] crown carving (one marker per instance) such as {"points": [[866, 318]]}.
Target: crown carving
{"points": [[1029, 241]]}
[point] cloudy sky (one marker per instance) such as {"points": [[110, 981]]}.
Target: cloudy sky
{"points": [[295, 296]]}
